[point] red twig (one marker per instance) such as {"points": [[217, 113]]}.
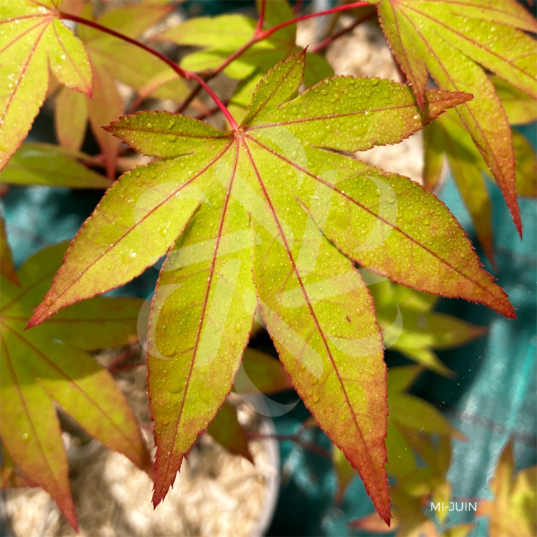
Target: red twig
{"points": [[188, 75], [298, 7], [261, 19]]}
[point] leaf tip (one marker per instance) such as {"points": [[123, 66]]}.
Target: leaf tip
{"points": [[41, 314]]}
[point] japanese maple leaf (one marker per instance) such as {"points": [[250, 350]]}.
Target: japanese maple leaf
{"points": [[273, 214], [32, 38], [111, 59], [514, 507], [48, 366], [451, 40]]}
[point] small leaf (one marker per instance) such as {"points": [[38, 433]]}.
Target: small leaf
{"points": [[526, 166], [105, 106], [49, 165], [261, 372], [32, 38], [520, 107], [227, 431]]}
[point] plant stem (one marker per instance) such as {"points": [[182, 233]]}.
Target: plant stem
{"points": [[298, 6], [314, 448], [270, 31], [188, 75], [261, 19], [260, 36], [330, 39]]}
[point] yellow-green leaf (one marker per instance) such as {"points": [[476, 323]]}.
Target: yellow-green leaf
{"points": [[49, 165], [31, 39], [39, 370], [263, 192], [453, 41]]}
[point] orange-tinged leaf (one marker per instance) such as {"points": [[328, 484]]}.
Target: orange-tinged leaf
{"points": [[227, 431], [258, 221], [10, 475], [39, 370], [452, 40], [71, 119], [105, 106], [6, 261], [31, 39], [30, 429]]}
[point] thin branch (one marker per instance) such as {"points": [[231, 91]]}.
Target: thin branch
{"points": [[260, 36], [188, 75], [314, 448], [330, 39], [298, 7], [270, 31], [261, 19]]}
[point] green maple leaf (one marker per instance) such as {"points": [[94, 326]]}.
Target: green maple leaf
{"points": [[520, 107], [514, 507], [245, 210], [451, 39], [448, 137], [410, 327], [223, 35], [228, 432], [46, 366], [112, 59], [51, 165], [32, 38]]}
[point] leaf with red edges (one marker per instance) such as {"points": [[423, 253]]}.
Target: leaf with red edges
{"points": [[271, 215], [448, 137], [451, 40], [32, 38], [41, 368]]}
